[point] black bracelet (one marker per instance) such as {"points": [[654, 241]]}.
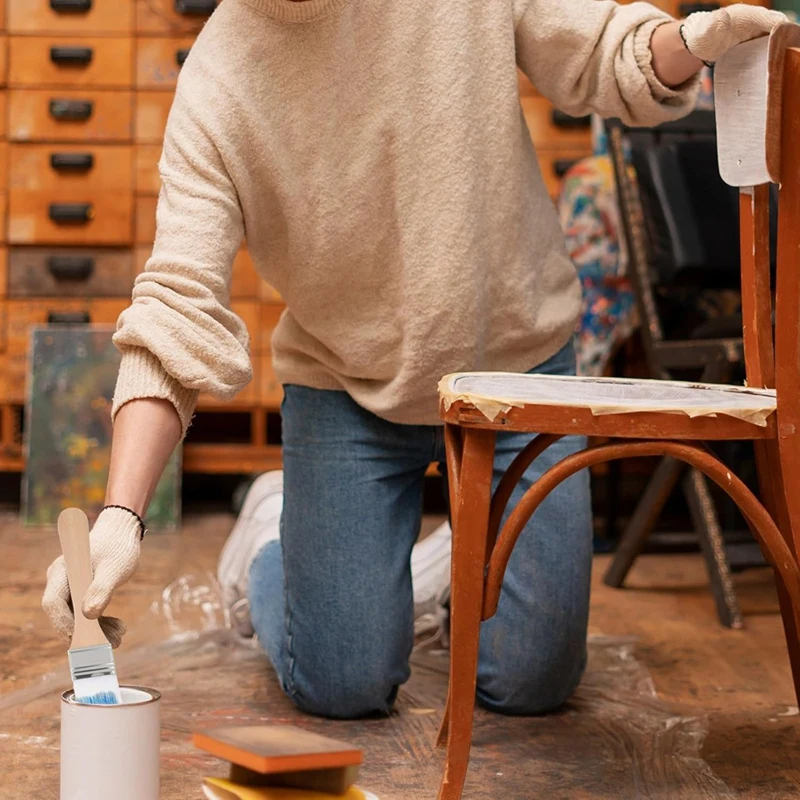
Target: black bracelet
{"points": [[142, 526], [709, 64]]}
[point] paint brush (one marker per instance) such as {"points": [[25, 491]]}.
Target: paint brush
{"points": [[91, 662]]}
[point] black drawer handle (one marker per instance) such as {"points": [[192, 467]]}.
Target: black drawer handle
{"points": [[562, 120], [71, 213], [70, 268], [68, 318], [71, 56], [71, 110], [71, 6], [71, 162], [563, 165], [181, 55], [196, 8]]}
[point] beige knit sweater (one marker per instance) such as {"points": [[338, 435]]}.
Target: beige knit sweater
{"points": [[375, 155]]}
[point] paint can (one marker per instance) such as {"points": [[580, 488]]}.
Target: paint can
{"points": [[111, 751]]}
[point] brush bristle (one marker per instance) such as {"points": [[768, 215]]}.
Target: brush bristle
{"points": [[99, 690], [101, 699]]}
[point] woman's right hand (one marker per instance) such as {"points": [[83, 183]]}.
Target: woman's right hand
{"points": [[115, 544]]}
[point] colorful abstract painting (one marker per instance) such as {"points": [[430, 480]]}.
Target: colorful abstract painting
{"points": [[73, 370]]}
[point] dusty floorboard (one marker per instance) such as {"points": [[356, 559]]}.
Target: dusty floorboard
{"points": [[672, 706]]}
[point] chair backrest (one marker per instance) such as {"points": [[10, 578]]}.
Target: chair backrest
{"points": [[758, 116]]}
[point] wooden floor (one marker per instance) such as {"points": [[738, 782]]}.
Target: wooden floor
{"points": [[672, 706]]}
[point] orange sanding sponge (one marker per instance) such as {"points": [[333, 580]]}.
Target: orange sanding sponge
{"points": [[281, 755]]}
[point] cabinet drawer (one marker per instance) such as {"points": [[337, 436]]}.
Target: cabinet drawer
{"points": [[554, 163], [152, 110], [159, 61], [71, 61], [550, 128], [173, 16], [271, 389], [148, 180], [95, 217], [68, 115], [145, 223], [22, 315], [70, 16], [3, 114], [62, 272], [46, 167]]}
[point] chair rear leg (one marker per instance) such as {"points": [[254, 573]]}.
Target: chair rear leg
{"points": [[771, 483], [661, 485], [706, 523]]}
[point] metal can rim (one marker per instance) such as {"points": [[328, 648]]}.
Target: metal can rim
{"points": [[154, 697]]}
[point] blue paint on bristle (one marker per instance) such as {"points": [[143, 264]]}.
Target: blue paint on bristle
{"points": [[99, 699]]}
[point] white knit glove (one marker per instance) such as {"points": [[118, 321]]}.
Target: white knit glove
{"points": [[709, 34], [114, 543]]}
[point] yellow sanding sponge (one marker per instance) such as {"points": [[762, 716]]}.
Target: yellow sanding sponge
{"points": [[221, 789]]}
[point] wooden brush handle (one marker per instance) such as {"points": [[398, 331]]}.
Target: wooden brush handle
{"points": [[73, 531]]}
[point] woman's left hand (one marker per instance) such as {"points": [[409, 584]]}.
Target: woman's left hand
{"points": [[709, 34]]}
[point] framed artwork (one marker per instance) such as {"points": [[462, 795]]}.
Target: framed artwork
{"points": [[72, 374]]}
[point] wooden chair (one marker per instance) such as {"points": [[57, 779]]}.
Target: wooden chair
{"points": [[758, 114]]}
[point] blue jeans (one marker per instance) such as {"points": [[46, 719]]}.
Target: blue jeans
{"points": [[332, 601]]}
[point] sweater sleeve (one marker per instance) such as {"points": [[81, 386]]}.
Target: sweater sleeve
{"points": [[179, 336], [594, 56]]}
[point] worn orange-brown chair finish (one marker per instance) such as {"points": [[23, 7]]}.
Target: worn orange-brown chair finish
{"points": [[481, 549]]}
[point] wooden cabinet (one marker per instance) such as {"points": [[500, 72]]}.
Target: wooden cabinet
{"points": [[70, 16], [70, 115], [61, 61]]}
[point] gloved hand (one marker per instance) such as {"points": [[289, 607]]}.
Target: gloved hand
{"points": [[114, 542], [709, 34]]}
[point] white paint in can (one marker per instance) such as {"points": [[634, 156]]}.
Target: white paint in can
{"points": [[111, 751]]}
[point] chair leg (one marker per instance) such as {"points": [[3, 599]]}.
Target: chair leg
{"points": [[664, 480], [470, 534], [771, 481], [706, 523]]}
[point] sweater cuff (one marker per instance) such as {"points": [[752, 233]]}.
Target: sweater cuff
{"points": [[141, 377], [644, 58]]}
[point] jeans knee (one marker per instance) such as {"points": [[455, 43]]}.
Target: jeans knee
{"points": [[344, 694], [529, 689]]}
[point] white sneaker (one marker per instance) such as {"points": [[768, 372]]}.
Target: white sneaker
{"points": [[430, 574], [258, 523]]}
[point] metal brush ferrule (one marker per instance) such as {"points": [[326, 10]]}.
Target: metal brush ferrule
{"points": [[91, 662]]}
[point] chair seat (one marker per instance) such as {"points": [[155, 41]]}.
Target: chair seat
{"points": [[494, 393]]}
